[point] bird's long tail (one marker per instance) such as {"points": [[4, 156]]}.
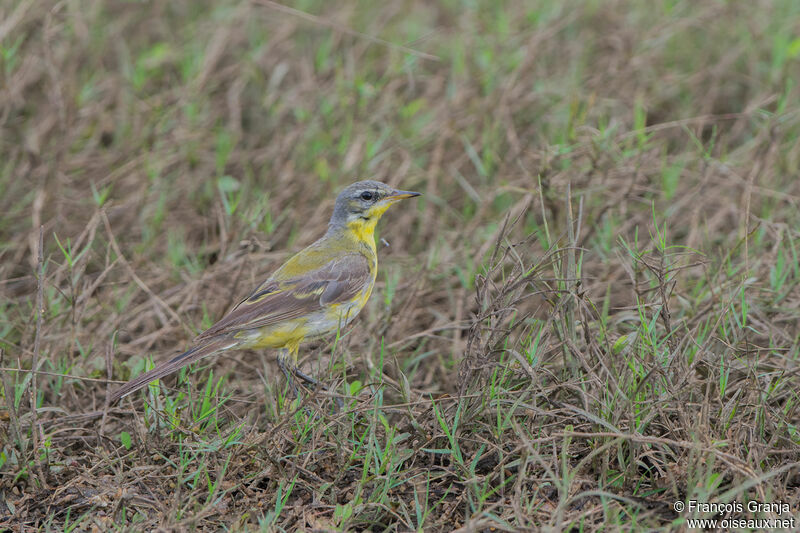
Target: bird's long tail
{"points": [[206, 348]]}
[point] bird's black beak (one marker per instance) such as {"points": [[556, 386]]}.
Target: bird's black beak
{"points": [[401, 195]]}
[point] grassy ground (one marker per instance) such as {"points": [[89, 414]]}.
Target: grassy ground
{"points": [[592, 313]]}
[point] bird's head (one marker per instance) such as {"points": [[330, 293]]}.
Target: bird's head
{"points": [[363, 203]]}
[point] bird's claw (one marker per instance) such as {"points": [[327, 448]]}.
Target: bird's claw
{"points": [[290, 370]]}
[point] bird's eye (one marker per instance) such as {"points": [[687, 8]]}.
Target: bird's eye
{"points": [[366, 195]]}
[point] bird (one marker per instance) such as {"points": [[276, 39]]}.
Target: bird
{"points": [[316, 292]]}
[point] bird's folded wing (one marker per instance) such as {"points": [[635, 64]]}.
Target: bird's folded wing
{"points": [[274, 301]]}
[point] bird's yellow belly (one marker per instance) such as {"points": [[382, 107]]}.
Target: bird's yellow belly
{"points": [[290, 333], [287, 334]]}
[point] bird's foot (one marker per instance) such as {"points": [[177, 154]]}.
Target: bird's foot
{"points": [[311, 381], [289, 370]]}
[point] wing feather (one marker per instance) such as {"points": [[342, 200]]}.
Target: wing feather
{"points": [[274, 301]]}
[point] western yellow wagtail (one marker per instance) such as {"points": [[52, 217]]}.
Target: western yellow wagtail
{"points": [[316, 292]]}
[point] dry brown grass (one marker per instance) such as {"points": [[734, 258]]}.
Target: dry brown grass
{"points": [[592, 313]]}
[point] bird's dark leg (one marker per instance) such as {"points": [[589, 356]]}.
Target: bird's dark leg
{"points": [[308, 379], [286, 361], [292, 366], [311, 381], [283, 356]]}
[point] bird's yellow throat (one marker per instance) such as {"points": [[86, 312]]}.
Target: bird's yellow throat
{"points": [[363, 228]]}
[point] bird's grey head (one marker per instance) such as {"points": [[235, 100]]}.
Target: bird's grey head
{"points": [[365, 201]]}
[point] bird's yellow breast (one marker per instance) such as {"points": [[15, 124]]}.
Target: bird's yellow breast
{"points": [[363, 232]]}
